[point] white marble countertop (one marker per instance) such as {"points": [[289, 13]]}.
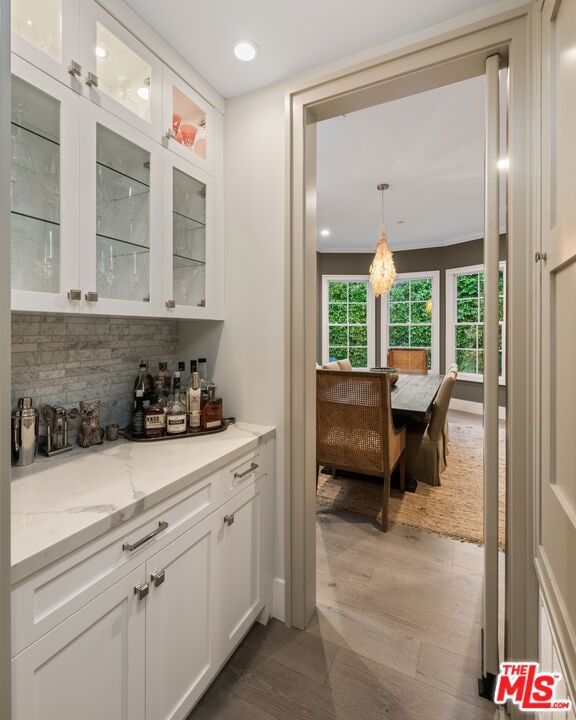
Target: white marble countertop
{"points": [[62, 502]]}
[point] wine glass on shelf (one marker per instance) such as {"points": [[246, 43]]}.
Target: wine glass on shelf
{"points": [[107, 265], [44, 262], [134, 274]]}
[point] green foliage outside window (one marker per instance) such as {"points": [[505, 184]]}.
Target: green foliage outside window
{"points": [[469, 330], [410, 315], [348, 322]]}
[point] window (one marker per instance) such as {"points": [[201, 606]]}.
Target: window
{"points": [[465, 321], [410, 315], [347, 320]]}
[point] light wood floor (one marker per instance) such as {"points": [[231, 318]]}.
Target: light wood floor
{"points": [[396, 635]]}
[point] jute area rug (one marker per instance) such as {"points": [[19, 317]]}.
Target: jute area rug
{"points": [[453, 509]]}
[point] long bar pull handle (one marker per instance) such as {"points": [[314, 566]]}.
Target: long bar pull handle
{"points": [[239, 476], [132, 546]]}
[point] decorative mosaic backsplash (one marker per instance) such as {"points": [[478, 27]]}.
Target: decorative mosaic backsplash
{"points": [[62, 359]]}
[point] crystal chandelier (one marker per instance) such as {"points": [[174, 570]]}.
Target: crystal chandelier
{"points": [[382, 270]]}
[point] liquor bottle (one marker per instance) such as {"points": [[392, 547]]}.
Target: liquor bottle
{"points": [[211, 415], [162, 384], [203, 377], [193, 404], [138, 416], [182, 370], [144, 382], [154, 421], [176, 412]]}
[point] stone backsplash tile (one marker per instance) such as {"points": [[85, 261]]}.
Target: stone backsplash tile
{"points": [[60, 359]]}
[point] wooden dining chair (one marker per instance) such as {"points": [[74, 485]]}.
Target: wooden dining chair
{"points": [[354, 428], [426, 452], [408, 360]]}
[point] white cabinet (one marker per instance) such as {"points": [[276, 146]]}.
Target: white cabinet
{"points": [[86, 49], [181, 657], [136, 624], [92, 666], [240, 549]]}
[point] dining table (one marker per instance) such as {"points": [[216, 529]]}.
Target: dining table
{"points": [[413, 395]]}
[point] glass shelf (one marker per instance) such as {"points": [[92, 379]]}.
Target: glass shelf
{"points": [[187, 222], [35, 254], [19, 126], [36, 219], [123, 269], [182, 261]]}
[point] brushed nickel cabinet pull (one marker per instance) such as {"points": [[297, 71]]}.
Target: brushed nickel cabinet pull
{"points": [[239, 476], [142, 589], [75, 68], [74, 294], [91, 296], [132, 546], [158, 577], [170, 303], [92, 80], [229, 519]]}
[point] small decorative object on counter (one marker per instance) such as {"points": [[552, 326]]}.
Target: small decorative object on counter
{"points": [[112, 431], [24, 432], [55, 421], [211, 415], [90, 432]]}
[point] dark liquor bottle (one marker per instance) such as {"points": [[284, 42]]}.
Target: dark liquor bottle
{"points": [[138, 416], [144, 382], [211, 414]]}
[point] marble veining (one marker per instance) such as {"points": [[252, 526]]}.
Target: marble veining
{"points": [[62, 502]]}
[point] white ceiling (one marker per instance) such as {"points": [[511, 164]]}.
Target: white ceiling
{"points": [[428, 147]]}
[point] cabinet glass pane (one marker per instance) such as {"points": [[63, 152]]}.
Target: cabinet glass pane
{"points": [[39, 22], [122, 74], [188, 123], [35, 189], [122, 218], [189, 240]]}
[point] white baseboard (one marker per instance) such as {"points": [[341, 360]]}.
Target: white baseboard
{"points": [[279, 599], [473, 407]]}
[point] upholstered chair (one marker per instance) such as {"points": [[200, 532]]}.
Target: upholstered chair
{"points": [[425, 453]]}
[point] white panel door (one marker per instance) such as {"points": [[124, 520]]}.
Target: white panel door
{"points": [[239, 541], [557, 537], [91, 666], [180, 647]]}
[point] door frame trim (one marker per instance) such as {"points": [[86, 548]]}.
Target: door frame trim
{"points": [[448, 58]]}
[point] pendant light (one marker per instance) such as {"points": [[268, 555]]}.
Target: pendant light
{"points": [[382, 270]]}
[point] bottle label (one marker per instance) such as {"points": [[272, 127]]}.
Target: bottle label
{"points": [[154, 421], [176, 423]]}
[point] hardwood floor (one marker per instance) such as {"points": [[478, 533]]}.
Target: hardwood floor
{"points": [[396, 634]]}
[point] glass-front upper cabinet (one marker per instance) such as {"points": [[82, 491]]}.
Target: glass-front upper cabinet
{"points": [[43, 190], [189, 258], [188, 122], [87, 49], [120, 216]]}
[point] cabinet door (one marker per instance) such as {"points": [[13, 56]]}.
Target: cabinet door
{"points": [[188, 122], [91, 666], [45, 32], [120, 219], [189, 240], [43, 191], [239, 550], [119, 73], [180, 654]]}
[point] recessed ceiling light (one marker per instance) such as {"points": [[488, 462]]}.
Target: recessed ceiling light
{"points": [[325, 232], [245, 50]]}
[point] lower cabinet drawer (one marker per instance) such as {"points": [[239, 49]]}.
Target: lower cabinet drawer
{"points": [[48, 597], [244, 471]]}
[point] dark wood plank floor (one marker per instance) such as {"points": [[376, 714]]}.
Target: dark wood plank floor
{"points": [[396, 635]]}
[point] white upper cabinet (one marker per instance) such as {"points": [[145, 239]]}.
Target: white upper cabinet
{"points": [[188, 123], [81, 45]]}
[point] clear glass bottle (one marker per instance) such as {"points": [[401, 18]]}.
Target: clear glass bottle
{"points": [[194, 405], [138, 416], [176, 411], [203, 377]]}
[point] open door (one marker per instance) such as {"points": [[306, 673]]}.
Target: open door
{"points": [[557, 261]]}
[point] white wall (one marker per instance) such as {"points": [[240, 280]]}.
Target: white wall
{"points": [[249, 365]]}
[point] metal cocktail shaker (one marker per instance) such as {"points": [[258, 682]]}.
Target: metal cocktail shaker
{"points": [[24, 432]]}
